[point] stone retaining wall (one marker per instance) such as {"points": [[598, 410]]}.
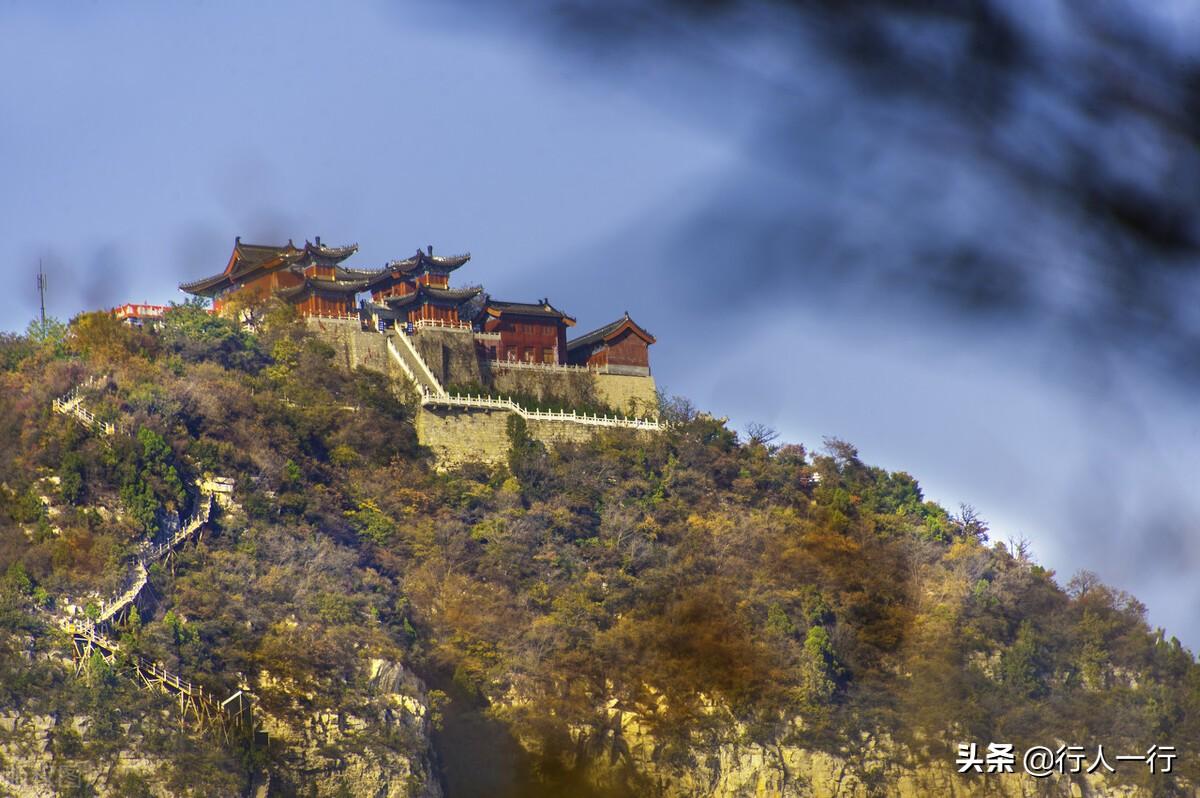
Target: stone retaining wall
{"points": [[356, 348], [477, 435], [632, 395], [450, 355]]}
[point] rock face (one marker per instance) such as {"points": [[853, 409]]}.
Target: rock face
{"points": [[625, 758], [380, 751], [33, 763]]}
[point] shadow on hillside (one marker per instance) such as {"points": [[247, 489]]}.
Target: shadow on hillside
{"points": [[478, 756]]}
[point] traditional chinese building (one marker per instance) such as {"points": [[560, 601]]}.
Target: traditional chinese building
{"points": [[621, 347], [310, 277], [529, 333], [417, 289]]}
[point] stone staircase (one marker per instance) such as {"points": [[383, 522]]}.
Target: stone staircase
{"points": [[413, 365]]}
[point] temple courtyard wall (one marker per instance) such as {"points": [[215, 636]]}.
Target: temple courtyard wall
{"points": [[570, 388]]}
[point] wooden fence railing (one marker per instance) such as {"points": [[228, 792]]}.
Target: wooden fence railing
{"points": [[88, 638]]}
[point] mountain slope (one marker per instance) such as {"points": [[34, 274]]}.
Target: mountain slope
{"points": [[682, 614]]}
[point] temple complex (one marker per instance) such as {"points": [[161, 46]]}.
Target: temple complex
{"points": [[467, 354]]}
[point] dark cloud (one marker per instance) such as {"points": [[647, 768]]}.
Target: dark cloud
{"points": [[197, 250], [104, 279], [1004, 162]]}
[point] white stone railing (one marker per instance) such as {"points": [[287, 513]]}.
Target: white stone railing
{"points": [[72, 404], [84, 629], [487, 336], [575, 417], [198, 519], [89, 638], [74, 407], [152, 673], [498, 363], [75, 395], [533, 365], [407, 369], [334, 316], [447, 325], [109, 610]]}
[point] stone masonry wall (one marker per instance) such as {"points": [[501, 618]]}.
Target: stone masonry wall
{"points": [[635, 396], [572, 388], [629, 395], [450, 355], [356, 348], [457, 436], [476, 435]]}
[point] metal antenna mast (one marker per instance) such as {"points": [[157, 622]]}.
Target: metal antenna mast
{"points": [[41, 282]]}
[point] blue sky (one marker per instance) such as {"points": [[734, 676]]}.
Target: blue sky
{"points": [[769, 215]]}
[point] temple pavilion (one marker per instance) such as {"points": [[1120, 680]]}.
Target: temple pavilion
{"points": [[527, 332], [310, 277], [621, 347], [417, 289]]}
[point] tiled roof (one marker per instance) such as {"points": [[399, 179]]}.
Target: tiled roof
{"points": [[543, 309], [339, 287], [608, 330], [335, 253], [424, 292], [248, 258], [423, 261], [204, 284]]}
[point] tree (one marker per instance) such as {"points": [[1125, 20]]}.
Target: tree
{"points": [[760, 434], [18, 578], [70, 476], [526, 454], [820, 670], [970, 524], [371, 522], [14, 349], [101, 336], [153, 484], [196, 334], [49, 336], [1023, 665]]}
